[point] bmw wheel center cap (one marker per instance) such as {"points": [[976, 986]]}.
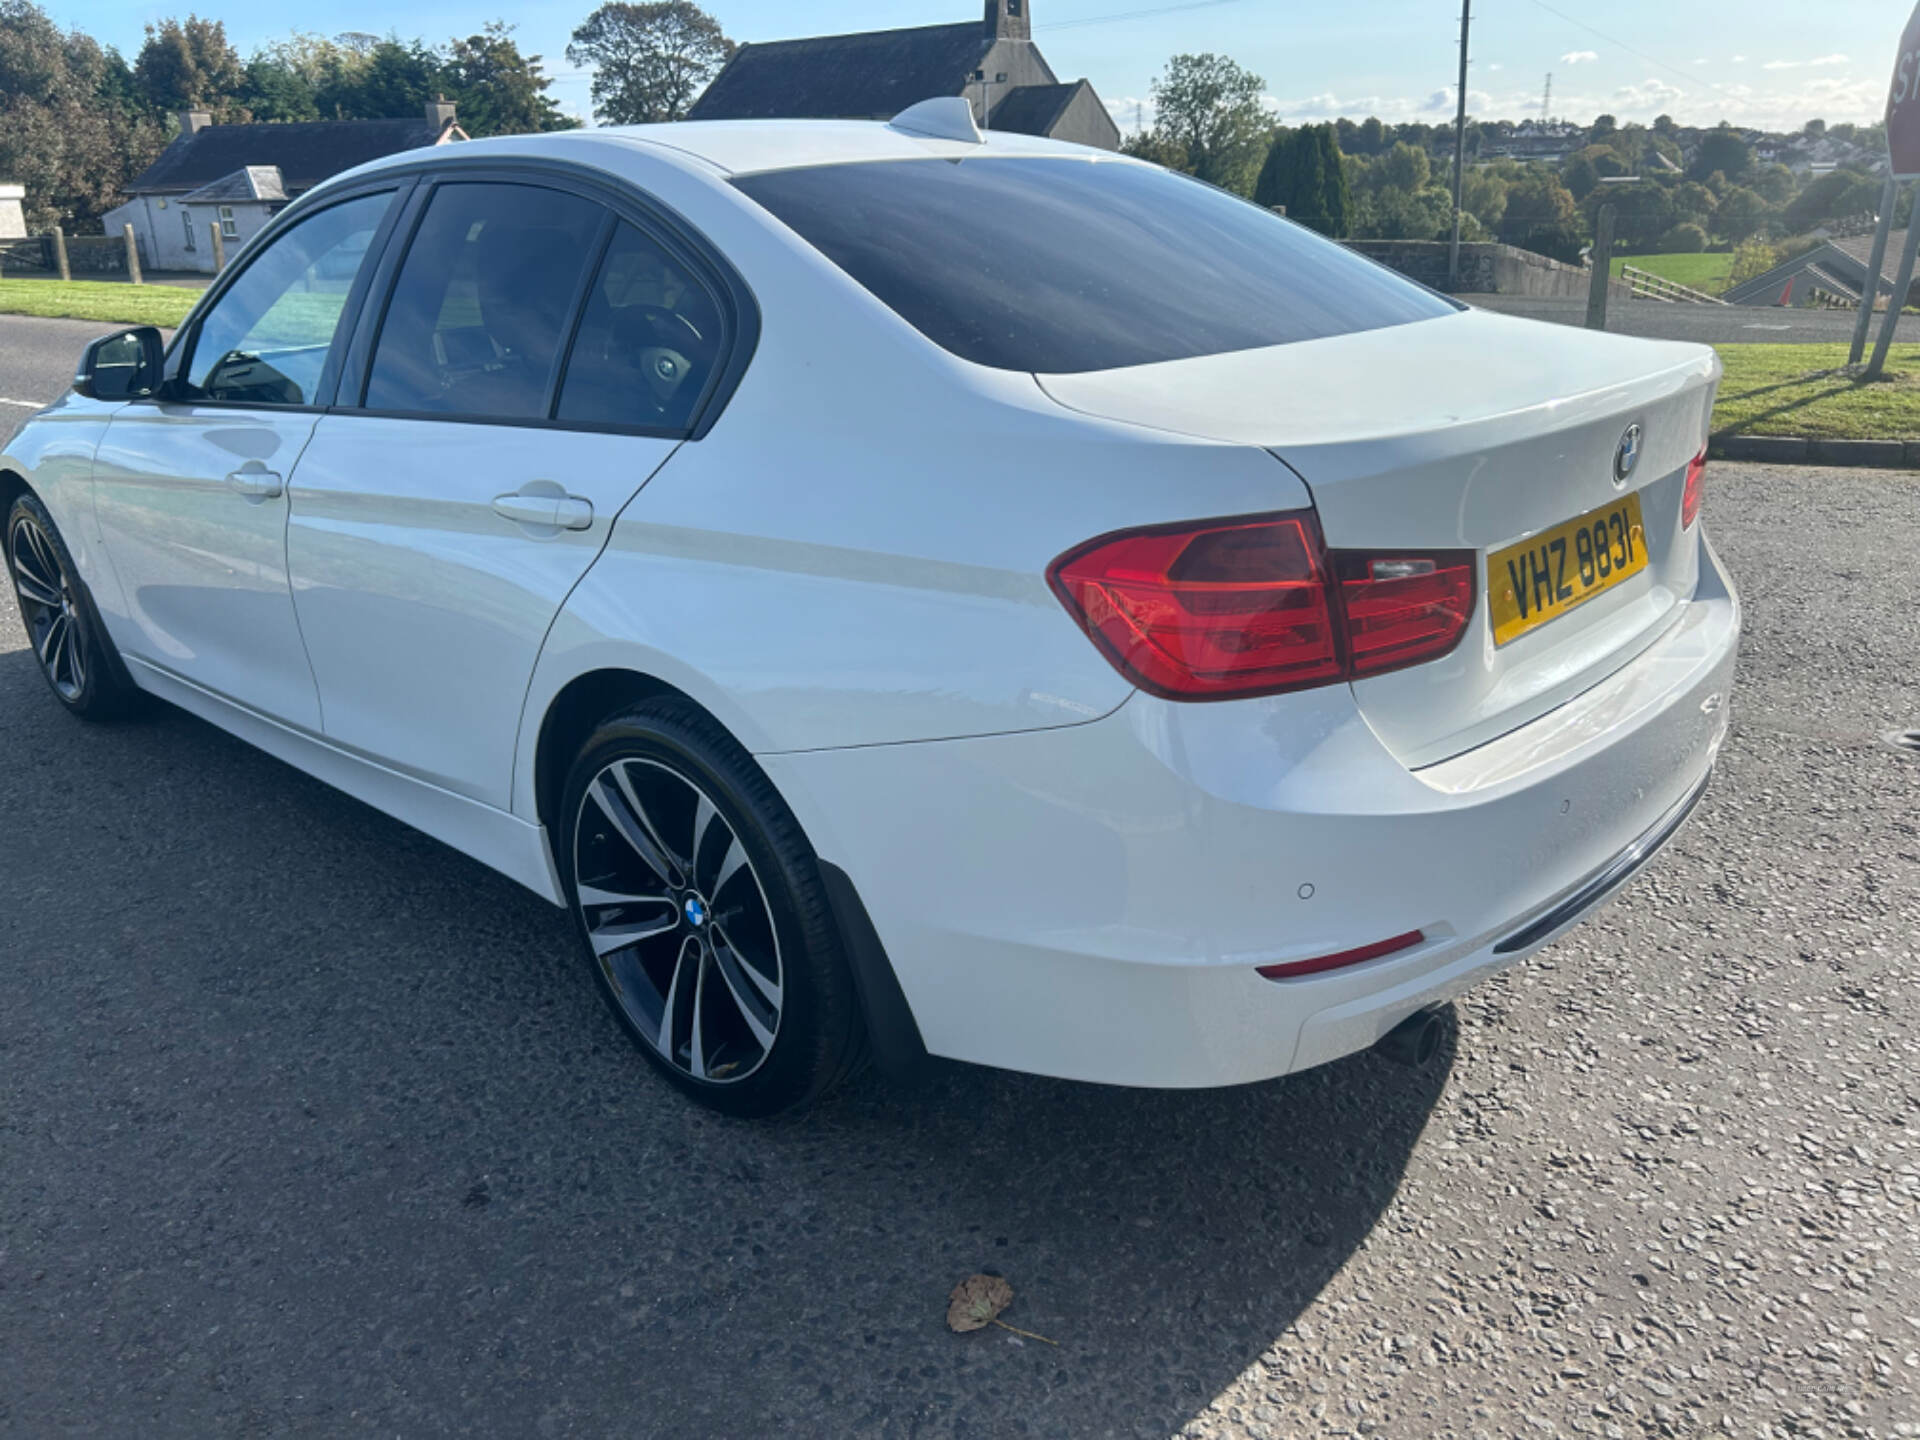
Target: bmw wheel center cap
{"points": [[695, 911]]}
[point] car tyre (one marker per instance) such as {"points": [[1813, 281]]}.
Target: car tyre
{"points": [[701, 910], [76, 658]]}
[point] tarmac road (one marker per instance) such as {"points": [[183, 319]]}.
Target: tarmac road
{"points": [[311, 1126], [1706, 324]]}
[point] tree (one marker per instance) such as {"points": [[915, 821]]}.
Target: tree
{"points": [[1306, 173], [272, 90], [1603, 126], [1211, 108], [392, 80], [1405, 168], [1741, 215], [498, 90], [1583, 170], [1723, 149], [1156, 149], [188, 65], [1839, 195], [1684, 239], [650, 61], [71, 130], [1540, 215], [1750, 261]]}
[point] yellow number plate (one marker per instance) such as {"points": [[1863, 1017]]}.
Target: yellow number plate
{"points": [[1544, 578]]}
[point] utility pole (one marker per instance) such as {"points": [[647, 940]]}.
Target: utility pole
{"points": [[1459, 148]]}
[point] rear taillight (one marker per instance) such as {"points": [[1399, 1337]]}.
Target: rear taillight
{"points": [[1402, 609], [1253, 607], [1695, 492]]}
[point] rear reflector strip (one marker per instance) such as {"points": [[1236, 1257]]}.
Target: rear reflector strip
{"points": [[1293, 968]]}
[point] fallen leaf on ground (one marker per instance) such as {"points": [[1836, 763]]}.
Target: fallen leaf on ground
{"points": [[976, 1302]]}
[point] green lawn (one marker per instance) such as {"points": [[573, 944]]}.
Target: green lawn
{"points": [[1807, 390], [108, 303], [1702, 272]]}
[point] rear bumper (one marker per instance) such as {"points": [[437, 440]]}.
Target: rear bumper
{"points": [[1092, 902]]}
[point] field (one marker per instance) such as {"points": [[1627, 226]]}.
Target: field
{"points": [[105, 301], [1701, 272], [1807, 390]]}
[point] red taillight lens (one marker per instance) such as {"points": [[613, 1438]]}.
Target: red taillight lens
{"points": [[1403, 609], [1252, 607], [1194, 613], [1695, 492]]}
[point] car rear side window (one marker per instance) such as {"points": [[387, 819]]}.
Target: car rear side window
{"points": [[648, 342], [1064, 265], [482, 303]]}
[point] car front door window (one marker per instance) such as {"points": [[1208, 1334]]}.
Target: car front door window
{"points": [[266, 340]]}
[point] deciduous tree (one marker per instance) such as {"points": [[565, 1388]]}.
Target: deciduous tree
{"points": [[650, 61], [189, 64], [1211, 108]]}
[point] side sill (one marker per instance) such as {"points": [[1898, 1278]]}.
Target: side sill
{"points": [[495, 838]]}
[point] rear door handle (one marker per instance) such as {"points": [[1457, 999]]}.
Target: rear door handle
{"points": [[564, 512], [257, 484]]}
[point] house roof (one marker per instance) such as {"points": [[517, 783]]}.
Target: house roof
{"points": [[1836, 261], [249, 182], [879, 73], [1035, 109], [1859, 248], [304, 153]]}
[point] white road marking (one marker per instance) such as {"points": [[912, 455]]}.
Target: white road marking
{"points": [[23, 404], [1766, 327]]}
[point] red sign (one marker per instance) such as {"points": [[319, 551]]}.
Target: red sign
{"points": [[1903, 105]]}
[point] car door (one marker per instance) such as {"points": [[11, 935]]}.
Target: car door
{"points": [[190, 489], [538, 358]]}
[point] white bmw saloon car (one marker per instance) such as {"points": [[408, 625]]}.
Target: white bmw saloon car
{"points": [[909, 592]]}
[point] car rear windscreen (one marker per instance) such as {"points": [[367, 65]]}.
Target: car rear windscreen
{"points": [[1061, 265]]}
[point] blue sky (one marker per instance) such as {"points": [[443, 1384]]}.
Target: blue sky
{"points": [[1761, 62]]}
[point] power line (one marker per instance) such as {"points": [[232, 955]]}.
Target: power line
{"points": [[1691, 78], [1135, 14]]}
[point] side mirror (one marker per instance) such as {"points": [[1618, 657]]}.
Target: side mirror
{"points": [[122, 366]]}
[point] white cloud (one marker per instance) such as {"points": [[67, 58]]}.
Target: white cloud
{"points": [[1496, 65], [1579, 57], [1651, 95], [1804, 64], [1741, 60], [1703, 61], [1131, 112]]}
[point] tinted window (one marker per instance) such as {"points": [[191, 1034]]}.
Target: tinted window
{"points": [[648, 342], [265, 340], [1061, 265], [483, 302]]}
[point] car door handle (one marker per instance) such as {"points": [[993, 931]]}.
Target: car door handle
{"points": [[564, 512], [259, 484]]}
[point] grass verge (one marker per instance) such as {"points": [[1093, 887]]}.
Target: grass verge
{"points": [[1702, 272], [1807, 390], [104, 301]]}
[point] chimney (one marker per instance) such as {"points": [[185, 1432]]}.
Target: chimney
{"points": [[193, 121], [1009, 20], [439, 113]]}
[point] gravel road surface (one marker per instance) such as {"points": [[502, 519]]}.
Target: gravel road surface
{"points": [[310, 1126]]}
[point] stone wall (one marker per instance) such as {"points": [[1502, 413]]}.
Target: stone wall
{"points": [[86, 255], [1485, 268]]}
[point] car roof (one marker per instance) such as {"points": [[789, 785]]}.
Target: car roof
{"points": [[741, 147]]}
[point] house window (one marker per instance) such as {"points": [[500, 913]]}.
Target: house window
{"points": [[1013, 8], [228, 229], [186, 219]]}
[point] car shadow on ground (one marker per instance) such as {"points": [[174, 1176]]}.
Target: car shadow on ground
{"points": [[311, 1123]]}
